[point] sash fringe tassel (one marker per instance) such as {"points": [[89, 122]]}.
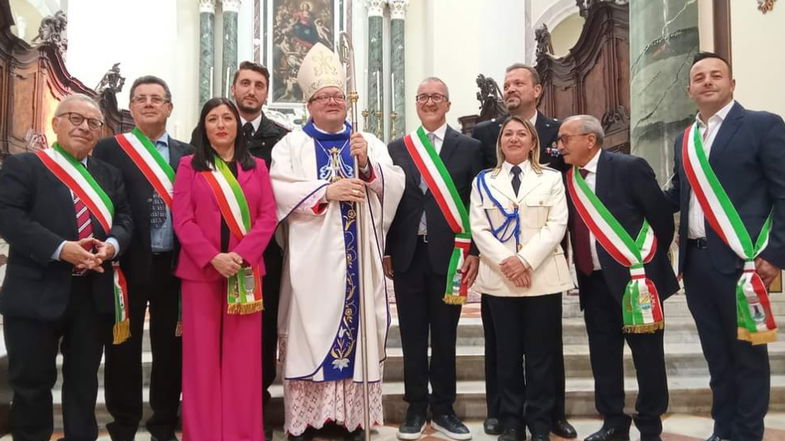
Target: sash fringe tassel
{"points": [[245, 308], [121, 331]]}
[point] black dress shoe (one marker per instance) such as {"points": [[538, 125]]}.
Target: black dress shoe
{"points": [[268, 433], [541, 437], [492, 426], [356, 435], [715, 437], [564, 429], [451, 426], [610, 434], [412, 427], [305, 436], [166, 438], [513, 435]]}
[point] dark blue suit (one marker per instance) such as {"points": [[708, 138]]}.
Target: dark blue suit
{"points": [[748, 157]]}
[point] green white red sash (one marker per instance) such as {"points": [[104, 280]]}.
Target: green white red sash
{"points": [[150, 162], [753, 310], [641, 307], [244, 289], [78, 179], [449, 201]]}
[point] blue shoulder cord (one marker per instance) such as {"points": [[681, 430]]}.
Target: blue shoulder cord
{"points": [[502, 233]]}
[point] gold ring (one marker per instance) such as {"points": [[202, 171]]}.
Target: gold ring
{"points": [[356, 192]]}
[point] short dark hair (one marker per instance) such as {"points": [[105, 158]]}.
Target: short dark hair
{"points": [[204, 153], [704, 55], [535, 75], [256, 67], [151, 79]]}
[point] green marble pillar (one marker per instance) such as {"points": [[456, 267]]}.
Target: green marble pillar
{"points": [[206, 55], [663, 40], [398, 67], [375, 68], [230, 10]]}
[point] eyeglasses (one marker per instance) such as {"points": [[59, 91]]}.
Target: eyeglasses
{"points": [[437, 98], [323, 99], [77, 120], [156, 100], [564, 139]]}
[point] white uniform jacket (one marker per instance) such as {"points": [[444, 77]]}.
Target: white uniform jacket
{"points": [[541, 222]]}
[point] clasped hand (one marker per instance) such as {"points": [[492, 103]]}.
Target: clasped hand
{"points": [[89, 253], [227, 264], [516, 272]]}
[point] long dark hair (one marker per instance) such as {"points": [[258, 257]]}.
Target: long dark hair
{"points": [[204, 153]]}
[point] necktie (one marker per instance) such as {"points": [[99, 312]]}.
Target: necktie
{"points": [[516, 179], [157, 205], [581, 247], [248, 130], [83, 225]]}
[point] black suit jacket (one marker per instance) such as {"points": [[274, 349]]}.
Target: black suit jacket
{"points": [[137, 261], [547, 130], [748, 157], [627, 186], [36, 216], [462, 156]]}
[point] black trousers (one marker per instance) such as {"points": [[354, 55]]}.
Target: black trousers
{"points": [[271, 286], [491, 382], [123, 370], [32, 371], [418, 295], [739, 371], [526, 327], [604, 323]]}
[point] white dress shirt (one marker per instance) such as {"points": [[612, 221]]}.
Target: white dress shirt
{"points": [[591, 181], [696, 228], [255, 123]]}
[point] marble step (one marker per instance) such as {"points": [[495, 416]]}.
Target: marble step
{"points": [[687, 394]]}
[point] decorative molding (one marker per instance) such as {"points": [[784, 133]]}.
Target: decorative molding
{"points": [[398, 9], [207, 6], [230, 5], [375, 7], [765, 6]]}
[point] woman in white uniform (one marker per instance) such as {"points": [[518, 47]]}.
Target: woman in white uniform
{"points": [[518, 219]]}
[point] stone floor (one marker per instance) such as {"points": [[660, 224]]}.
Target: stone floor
{"points": [[677, 427]]}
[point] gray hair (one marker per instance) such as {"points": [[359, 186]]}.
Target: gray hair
{"points": [[589, 124], [532, 71], [437, 80], [78, 97], [151, 79]]}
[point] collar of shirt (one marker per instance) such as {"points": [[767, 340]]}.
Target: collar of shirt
{"points": [[591, 166], [440, 132], [533, 119], [718, 117], [163, 139], [507, 168], [255, 123], [329, 133]]}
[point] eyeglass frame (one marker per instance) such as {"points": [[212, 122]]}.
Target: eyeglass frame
{"points": [[325, 99], [563, 139], [156, 100], [70, 117], [432, 97]]}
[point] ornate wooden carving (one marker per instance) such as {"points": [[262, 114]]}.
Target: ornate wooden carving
{"points": [[33, 79], [594, 78]]}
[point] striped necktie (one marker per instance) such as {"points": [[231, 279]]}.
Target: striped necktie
{"points": [[83, 224]]}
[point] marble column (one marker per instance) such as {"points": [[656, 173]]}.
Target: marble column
{"points": [[206, 55], [397, 67], [230, 10], [663, 41], [375, 99]]}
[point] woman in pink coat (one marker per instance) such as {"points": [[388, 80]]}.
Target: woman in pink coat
{"points": [[224, 216]]}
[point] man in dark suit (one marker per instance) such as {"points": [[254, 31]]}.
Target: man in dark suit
{"points": [[419, 245], [149, 265], [522, 90], [626, 185], [59, 285], [249, 89], [746, 150]]}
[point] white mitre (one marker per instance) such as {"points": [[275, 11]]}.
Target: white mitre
{"points": [[320, 68]]}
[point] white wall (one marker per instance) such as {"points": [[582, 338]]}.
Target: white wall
{"points": [[148, 37], [758, 57]]}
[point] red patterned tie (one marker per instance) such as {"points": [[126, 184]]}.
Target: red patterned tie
{"points": [[581, 247], [83, 224]]}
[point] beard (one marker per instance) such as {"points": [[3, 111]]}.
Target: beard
{"points": [[513, 103], [248, 109]]}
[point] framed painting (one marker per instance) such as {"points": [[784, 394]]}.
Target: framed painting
{"points": [[296, 25]]}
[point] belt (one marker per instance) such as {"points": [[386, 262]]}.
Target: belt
{"points": [[422, 238], [700, 243], [162, 254]]}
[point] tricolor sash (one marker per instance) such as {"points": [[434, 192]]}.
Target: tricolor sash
{"points": [[753, 310], [443, 189], [244, 289], [78, 179], [149, 161], [641, 307]]}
